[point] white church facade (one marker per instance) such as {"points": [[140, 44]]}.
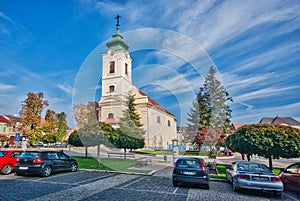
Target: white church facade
{"points": [[158, 123]]}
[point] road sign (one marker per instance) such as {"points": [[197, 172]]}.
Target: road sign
{"points": [[17, 137]]}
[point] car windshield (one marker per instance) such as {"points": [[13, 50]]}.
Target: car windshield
{"points": [[30, 154], [2, 153], [188, 163], [253, 167]]}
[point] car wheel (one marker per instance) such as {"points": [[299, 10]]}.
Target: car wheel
{"points": [[206, 187], [175, 184], [235, 188], [74, 167], [278, 194], [46, 171], [19, 174], [7, 169]]}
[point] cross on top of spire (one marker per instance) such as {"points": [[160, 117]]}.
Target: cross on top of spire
{"points": [[118, 18]]}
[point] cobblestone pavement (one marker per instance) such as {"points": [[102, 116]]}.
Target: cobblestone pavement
{"points": [[96, 185]]}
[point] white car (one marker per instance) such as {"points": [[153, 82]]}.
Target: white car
{"points": [[253, 176]]}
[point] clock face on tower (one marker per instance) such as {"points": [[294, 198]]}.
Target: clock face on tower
{"points": [[111, 53]]}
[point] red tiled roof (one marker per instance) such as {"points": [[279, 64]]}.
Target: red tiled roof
{"points": [[236, 126], [280, 120], [155, 104], [4, 119], [110, 121]]}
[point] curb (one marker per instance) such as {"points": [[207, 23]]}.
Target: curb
{"points": [[119, 172]]}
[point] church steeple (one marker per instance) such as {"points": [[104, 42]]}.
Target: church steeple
{"points": [[117, 42]]}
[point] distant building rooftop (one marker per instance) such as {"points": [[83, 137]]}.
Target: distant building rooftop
{"points": [[280, 121]]}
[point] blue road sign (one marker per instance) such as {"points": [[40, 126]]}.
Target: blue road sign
{"points": [[17, 137]]}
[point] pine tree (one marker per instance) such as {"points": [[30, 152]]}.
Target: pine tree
{"points": [[131, 131], [213, 112], [216, 97]]}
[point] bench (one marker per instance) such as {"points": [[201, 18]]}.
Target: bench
{"points": [[119, 155], [143, 161]]}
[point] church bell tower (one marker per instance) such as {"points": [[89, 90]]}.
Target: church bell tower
{"points": [[116, 77]]}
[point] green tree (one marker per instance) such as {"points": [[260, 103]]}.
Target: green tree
{"points": [[90, 132], [49, 126], [209, 118], [269, 141], [30, 113], [130, 131], [74, 140], [219, 113], [62, 126]]}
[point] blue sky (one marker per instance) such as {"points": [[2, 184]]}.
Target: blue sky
{"points": [[255, 45]]}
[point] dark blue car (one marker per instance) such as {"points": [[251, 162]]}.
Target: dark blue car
{"points": [[43, 162]]}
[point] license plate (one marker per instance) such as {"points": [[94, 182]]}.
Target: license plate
{"points": [[261, 178], [23, 168], [189, 173]]}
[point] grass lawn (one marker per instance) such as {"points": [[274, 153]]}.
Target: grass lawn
{"points": [[159, 152], [111, 164]]}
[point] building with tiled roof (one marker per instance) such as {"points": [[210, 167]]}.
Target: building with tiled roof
{"points": [[289, 121], [158, 123], [4, 127]]}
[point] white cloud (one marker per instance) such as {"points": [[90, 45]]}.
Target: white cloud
{"points": [[7, 87], [266, 93], [65, 88]]}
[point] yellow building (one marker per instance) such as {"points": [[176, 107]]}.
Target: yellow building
{"points": [[159, 124]]}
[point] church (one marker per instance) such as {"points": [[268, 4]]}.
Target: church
{"points": [[158, 123]]}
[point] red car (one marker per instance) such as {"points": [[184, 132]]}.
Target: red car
{"points": [[290, 177], [8, 160]]}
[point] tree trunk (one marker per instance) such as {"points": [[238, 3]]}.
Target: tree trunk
{"points": [[270, 162], [98, 155], [86, 151], [124, 153]]}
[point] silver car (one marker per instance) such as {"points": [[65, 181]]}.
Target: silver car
{"points": [[253, 176]]}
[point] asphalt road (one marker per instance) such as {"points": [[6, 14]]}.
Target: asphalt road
{"points": [[96, 185]]}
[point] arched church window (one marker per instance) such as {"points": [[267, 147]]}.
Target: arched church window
{"points": [[169, 123], [110, 115], [111, 88], [112, 67], [158, 119], [126, 68]]}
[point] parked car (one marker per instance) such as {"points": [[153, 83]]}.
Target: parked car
{"points": [[291, 177], [253, 176], [43, 162], [190, 170], [39, 144], [8, 160]]}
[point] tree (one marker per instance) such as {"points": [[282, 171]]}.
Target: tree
{"points": [[62, 126], [209, 118], [216, 97], [85, 113], [89, 131], [49, 126], [269, 141], [74, 140], [30, 113], [131, 131]]}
